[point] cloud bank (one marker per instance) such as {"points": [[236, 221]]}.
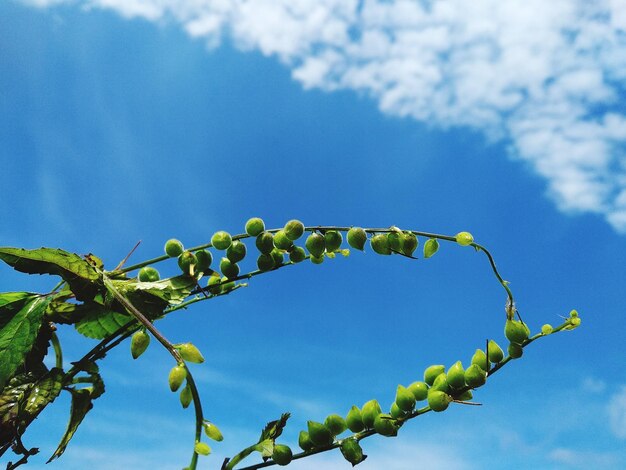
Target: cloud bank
{"points": [[545, 77]]}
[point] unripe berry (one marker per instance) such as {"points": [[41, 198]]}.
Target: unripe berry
{"points": [[441, 383], [319, 434], [139, 343], [187, 262], [357, 238], [265, 262], [297, 255], [335, 424], [385, 425], [221, 240], [205, 258], [404, 399], [190, 353], [282, 454], [419, 390], [456, 375], [186, 396], [236, 251], [212, 431], [515, 350], [438, 400], [148, 274], [395, 241], [475, 376], [173, 248], [304, 441], [277, 256], [480, 359], [354, 420], [352, 452], [265, 242], [316, 244], [282, 241], [465, 396], [464, 238], [229, 269], [380, 244], [254, 226], [370, 410], [177, 376], [431, 373], [516, 331], [294, 229], [333, 240], [214, 284], [410, 243], [494, 352], [546, 329], [396, 412], [202, 448], [317, 259]]}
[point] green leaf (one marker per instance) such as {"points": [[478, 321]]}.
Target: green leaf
{"points": [[101, 322], [430, 247], [83, 278], [273, 429], [44, 392], [18, 336], [81, 404], [265, 447], [11, 303]]}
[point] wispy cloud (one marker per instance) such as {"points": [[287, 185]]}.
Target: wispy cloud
{"points": [[545, 77], [617, 413], [573, 458]]}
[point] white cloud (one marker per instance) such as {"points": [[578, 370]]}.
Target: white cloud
{"points": [[617, 413], [544, 76], [581, 459]]}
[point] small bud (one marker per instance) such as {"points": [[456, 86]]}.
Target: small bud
{"points": [[464, 238], [185, 396], [494, 352], [480, 359], [354, 420], [139, 343], [282, 455], [202, 448], [515, 350], [212, 431], [177, 376], [190, 353], [546, 329]]}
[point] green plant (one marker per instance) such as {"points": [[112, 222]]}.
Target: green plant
{"points": [[112, 305]]}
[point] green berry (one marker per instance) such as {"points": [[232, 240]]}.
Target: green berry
{"points": [[438, 400], [396, 412], [177, 376], [464, 238], [316, 244], [431, 373], [475, 376], [516, 331], [282, 454], [515, 350], [202, 448], [148, 274], [139, 343], [430, 247], [186, 396], [410, 243], [480, 359], [357, 238], [573, 322], [385, 425], [229, 269], [304, 441], [221, 240], [265, 262], [214, 284], [190, 353], [236, 251], [265, 242], [254, 226], [352, 452], [187, 262], [546, 329], [205, 258], [380, 244], [212, 431], [405, 399], [317, 259], [494, 352], [419, 390], [441, 383], [354, 419], [319, 434], [573, 314], [294, 229], [173, 248], [282, 241], [395, 240], [465, 396], [370, 410], [335, 424], [333, 240], [456, 375], [297, 254], [277, 256]]}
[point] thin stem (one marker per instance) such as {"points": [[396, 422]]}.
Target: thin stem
{"points": [[58, 352], [497, 274]]}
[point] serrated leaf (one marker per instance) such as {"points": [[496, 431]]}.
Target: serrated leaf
{"points": [[430, 247], [173, 290], [101, 322], [11, 303], [44, 392], [18, 336], [273, 429], [83, 278], [81, 404]]}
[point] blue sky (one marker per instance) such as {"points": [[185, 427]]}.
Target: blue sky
{"points": [[145, 120]]}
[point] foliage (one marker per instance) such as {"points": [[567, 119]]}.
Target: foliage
{"points": [[111, 306]]}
